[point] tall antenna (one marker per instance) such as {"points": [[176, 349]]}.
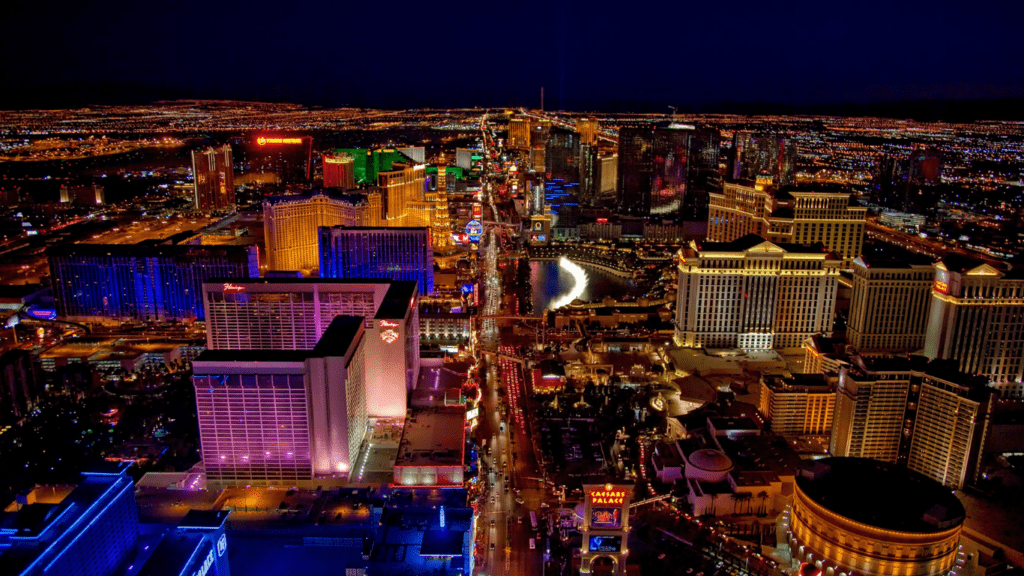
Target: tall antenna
{"points": [[541, 98]]}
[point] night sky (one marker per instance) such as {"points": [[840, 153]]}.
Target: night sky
{"points": [[588, 55]]}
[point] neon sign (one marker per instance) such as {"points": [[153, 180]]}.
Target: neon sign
{"points": [[608, 497], [389, 336], [207, 563], [388, 324], [263, 140], [941, 286], [233, 288]]}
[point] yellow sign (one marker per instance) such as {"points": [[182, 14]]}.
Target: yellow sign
{"points": [[263, 140]]}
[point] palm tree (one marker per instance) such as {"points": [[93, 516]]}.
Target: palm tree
{"points": [[745, 497], [763, 495], [735, 496]]}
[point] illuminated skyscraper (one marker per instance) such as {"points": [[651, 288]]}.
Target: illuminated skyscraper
{"points": [[540, 131], [339, 171], [588, 129], [788, 214], [284, 418], [797, 406], [293, 314], [590, 172], [891, 294], [142, 281], [926, 416], [519, 133], [388, 253], [763, 155], [976, 319], [400, 186], [291, 224], [754, 294], [213, 179]]}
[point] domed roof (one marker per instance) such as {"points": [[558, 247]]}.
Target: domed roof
{"points": [[710, 460]]}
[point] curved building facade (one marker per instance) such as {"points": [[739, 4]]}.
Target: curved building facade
{"points": [[861, 517]]}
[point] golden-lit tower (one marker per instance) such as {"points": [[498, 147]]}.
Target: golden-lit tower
{"points": [[588, 129], [519, 133]]}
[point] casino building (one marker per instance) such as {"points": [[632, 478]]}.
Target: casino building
{"points": [[284, 417], [294, 313], [861, 517]]}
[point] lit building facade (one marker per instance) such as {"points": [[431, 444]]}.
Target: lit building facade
{"points": [[391, 253], [291, 224], [90, 532], [284, 418], [142, 282], [889, 306], [519, 133], [213, 179], [293, 314], [339, 171], [588, 129], [801, 405], [787, 215], [977, 318], [859, 517], [926, 416], [401, 186], [754, 294]]}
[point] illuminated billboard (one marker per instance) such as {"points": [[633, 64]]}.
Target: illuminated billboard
{"points": [[474, 229], [605, 543], [264, 140], [606, 518]]}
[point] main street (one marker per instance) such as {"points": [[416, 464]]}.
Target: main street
{"points": [[508, 464]]}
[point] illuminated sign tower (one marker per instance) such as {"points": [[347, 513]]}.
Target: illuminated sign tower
{"points": [[605, 527]]}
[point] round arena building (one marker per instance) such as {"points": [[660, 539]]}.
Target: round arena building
{"points": [[861, 517]]}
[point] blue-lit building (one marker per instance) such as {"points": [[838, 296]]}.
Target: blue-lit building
{"points": [[142, 281], [378, 253], [94, 530], [197, 547], [90, 532]]}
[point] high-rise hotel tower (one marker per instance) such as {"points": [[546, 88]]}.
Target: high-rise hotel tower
{"points": [[754, 294]]}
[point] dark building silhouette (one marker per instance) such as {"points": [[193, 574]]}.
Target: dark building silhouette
{"points": [[757, 154], [667, 171], [19, 387], [906, 183], [213, 178], [562, 155]]}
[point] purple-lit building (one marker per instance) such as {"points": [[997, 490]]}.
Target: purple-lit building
{"points": [[284, 417], [293, 313]]}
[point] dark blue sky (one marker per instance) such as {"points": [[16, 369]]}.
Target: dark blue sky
{"points": [[586, 54]]}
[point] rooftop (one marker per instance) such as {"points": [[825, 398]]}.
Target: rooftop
{"points": [[433, 437], [800, 383], [880, 495], [398, 300], [749, 241]]}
